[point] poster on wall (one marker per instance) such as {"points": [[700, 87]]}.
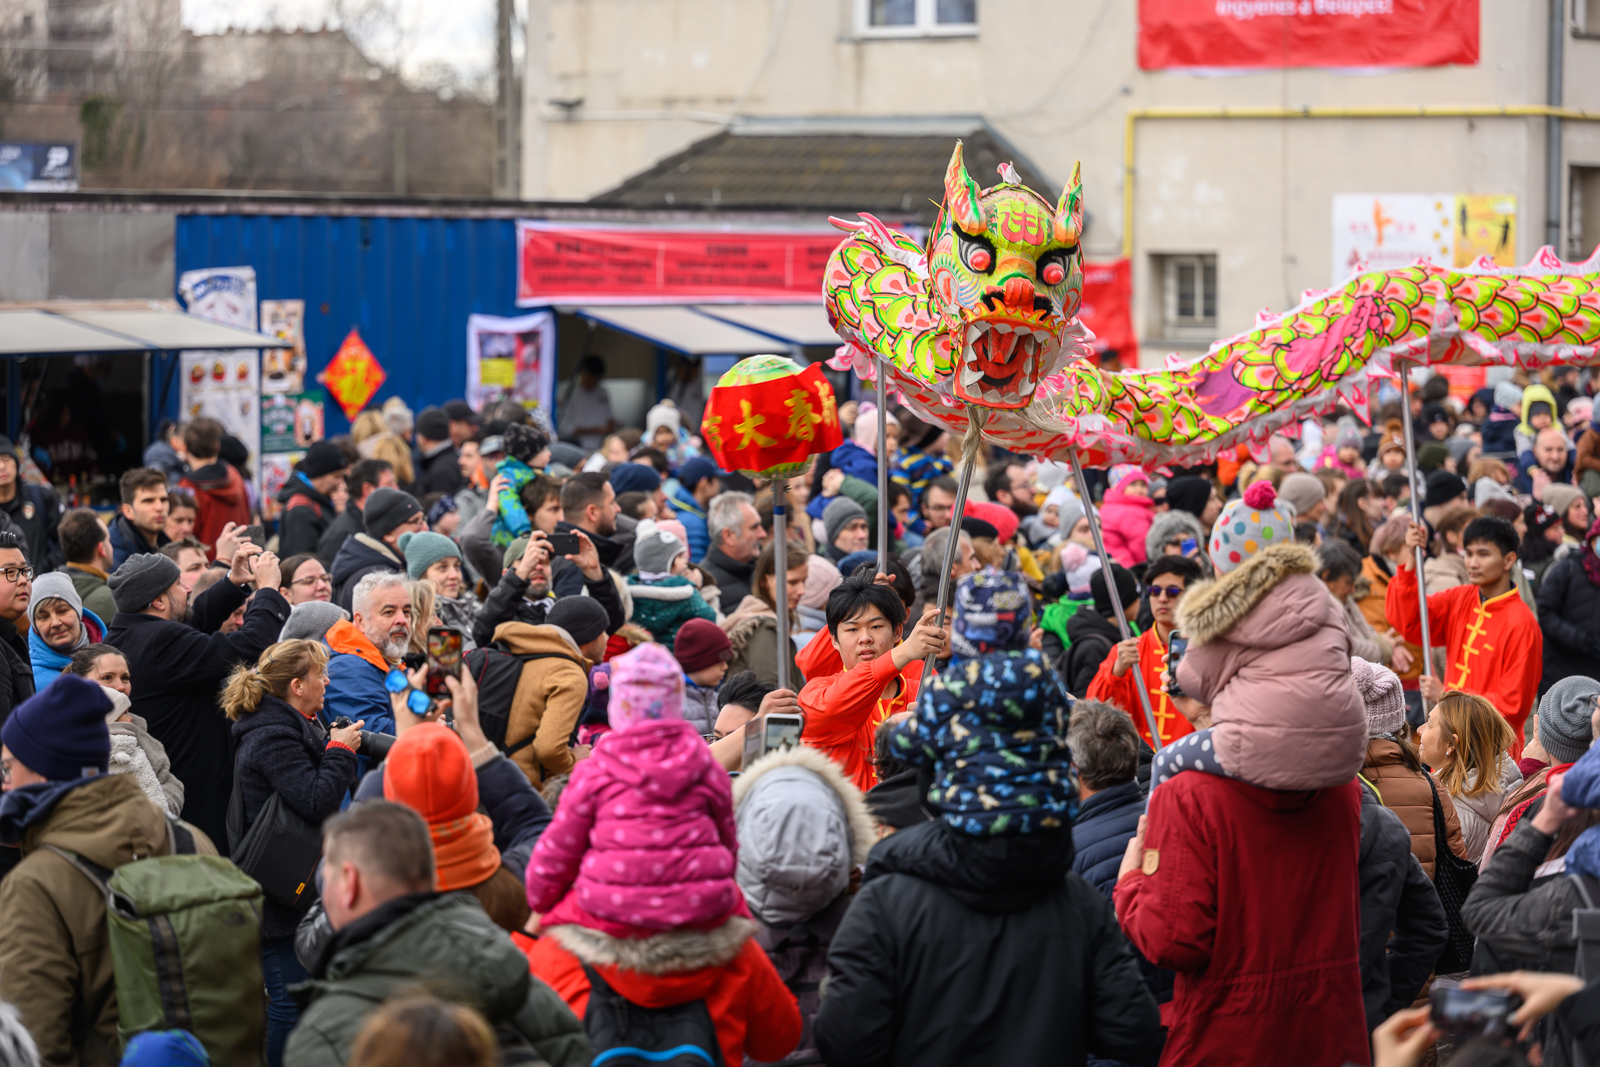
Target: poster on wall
{"points": [[291, 423], [1356, 35], [512, 359], [223, 385], [276, 467], [1387, 230], [283, 370]]}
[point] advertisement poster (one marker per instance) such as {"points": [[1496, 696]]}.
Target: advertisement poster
{"points": [[223, 385], [637, 265], [291, 423], [39, 168], [512, 359], [275, 470], [1107, 308], [1387, 230], [1341, 34], [284, 370]]}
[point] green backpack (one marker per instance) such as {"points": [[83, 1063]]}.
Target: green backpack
{"points": [[185, 933]]}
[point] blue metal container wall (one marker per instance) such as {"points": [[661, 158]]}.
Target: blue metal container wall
{"points": [[407, 284]]}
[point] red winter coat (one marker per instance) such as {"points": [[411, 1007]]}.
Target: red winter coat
{"points": [[220, 497], [1252, 897]]}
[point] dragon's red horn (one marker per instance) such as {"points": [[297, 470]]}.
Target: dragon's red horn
{"points": [[1068, 221]]}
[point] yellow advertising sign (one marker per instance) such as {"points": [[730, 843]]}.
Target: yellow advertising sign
{"points": [[1486, 226]]}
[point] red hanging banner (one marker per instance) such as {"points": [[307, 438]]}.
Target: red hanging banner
{"points": [[1307, 33], [560, 264], [1107, 308]]}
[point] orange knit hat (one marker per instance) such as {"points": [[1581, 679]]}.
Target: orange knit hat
{"points": [[429, 771]]}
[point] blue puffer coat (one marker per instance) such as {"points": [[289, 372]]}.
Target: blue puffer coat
{"points": [[1105, 824]]}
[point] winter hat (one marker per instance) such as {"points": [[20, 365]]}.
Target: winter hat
{"points": [[1558, 497], [57, 586], [973, 526], [1459, 447], [634, 478], [1049, 474], [1431, 456], [1432, 413], [580, 616], [1380, 692], [654, 549], [323, 458], [1539, 518], [1002, 518], [993, 613], [433, 424], [1249, 524], [1072, 510], [1126, 473], [141, 579], [1442, 487], [165, 1048], [1057, 497], [565, 458], [119, 704], [423, 550], [429, 770], [1581, 408], [1188, 493], [853, 562], [1487, 489], [699, 644], [1127, 589], [311, 620], [840, 512], [1302, 491], [1566, 712], [60, 732], [647, 684], [673, 527], [397, 416], [696, 471], [665, 414], [1508, 395], [523, 442], [387, 508], [1349, 436], [822, 578], [459, 410], [999, 764]]}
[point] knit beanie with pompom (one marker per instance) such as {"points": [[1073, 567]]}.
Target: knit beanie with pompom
{"points": [[1249, 524], [1380, 692]]}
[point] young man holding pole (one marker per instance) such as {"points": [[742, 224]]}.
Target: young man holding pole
{"points": [[1168, 579], [1493, 646]]}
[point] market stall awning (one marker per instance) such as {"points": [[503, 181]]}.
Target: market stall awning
{"points": [[795, 324], [681, 329], [46, 332]]}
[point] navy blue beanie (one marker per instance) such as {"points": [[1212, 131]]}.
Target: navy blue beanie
{"points": [[695, 471], [634, 478], [60, 732]]}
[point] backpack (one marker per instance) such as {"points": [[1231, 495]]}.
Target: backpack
{"points": [[497, 670], [185, 935], [624, 1034]]}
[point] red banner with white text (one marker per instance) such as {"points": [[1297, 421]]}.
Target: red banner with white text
{"points": [[1307, 33], [1107, 308], [600, 265]]}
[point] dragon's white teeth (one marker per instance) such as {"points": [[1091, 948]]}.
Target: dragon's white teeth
{"points": [[1026, 387], [969, 377], [974, 331], [1041, 336], [1002, 327]]}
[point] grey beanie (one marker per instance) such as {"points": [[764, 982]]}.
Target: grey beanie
{"points": [[1508, 395], [1565, 714], [1302, 490], [654, 550], [55, 586], [387, 508], [839, 514], [312, 620], [140, 580]]}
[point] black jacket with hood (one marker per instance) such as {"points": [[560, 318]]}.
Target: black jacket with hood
{"points": [[1398, 899], [360, 556], [963, 950], [1569, 616], [341, 529], [307, 515], [1092, 636]]}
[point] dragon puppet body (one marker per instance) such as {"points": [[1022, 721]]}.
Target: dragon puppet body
{"points": [[985, 319]]}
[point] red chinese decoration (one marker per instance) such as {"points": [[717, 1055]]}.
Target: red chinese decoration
{"points": [[353, 376], [767, 415]]}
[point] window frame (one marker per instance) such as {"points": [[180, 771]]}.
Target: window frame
{"points": [[1194, 328], [1578, 20], [925, 25]]}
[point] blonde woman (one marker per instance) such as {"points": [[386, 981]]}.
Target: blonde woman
{"points": [[368, 424], [391, 447], [1467, 743], [284, 748], [424, 613]]}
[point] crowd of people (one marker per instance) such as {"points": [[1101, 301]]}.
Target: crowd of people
{"points": [[477, 748]]}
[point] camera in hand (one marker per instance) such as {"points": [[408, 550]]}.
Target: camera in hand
{"points": [[1473, 1012], [1175, 650], [374, 746], [774, 731]]}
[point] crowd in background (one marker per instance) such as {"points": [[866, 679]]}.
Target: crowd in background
{"points": [[1256, 819]]}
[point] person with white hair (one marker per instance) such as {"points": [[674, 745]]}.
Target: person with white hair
{"points": [[736, 538], [365, 649]]}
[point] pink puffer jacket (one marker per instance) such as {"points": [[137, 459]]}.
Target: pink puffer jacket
{"points": [[1270, 653], [1124, 520], [643, 839]]}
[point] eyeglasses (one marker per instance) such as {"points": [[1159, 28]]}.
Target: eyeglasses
{"points": [[5, 771], [16, 574], [935, 509], [1171, 592], [315, 579]]}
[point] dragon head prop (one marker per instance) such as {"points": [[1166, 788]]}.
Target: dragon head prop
{"points": [[987, 309]]}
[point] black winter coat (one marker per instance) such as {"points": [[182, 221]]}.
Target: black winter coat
{"points": [[508, 602], [1396, 897], [360, 556], [1092, 636], [35, 513], [16, 668], [731, 577], [1100, 834], [1522, 920], [281, 751], [439, 473], [347, 525], [307, 515], [178, 670], [964, 950], [1569, 615]]}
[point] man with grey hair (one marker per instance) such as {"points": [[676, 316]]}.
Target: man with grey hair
{"points": [[1105, 751], [364, 650], [930, 565], [736, 537]]}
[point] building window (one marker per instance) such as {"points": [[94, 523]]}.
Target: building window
{"points": [[919, 18], [1583, 213], [1188, 297], [1586, 18]]}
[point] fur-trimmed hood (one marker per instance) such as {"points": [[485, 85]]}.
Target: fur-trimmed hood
{"points": [[1213, 608], [751, 614], [665, 953], [1175, 523], [802, 827], [668, 590]]}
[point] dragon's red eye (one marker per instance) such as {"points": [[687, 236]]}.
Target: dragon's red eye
{"points": [[1053, 274], [980, 259]]}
